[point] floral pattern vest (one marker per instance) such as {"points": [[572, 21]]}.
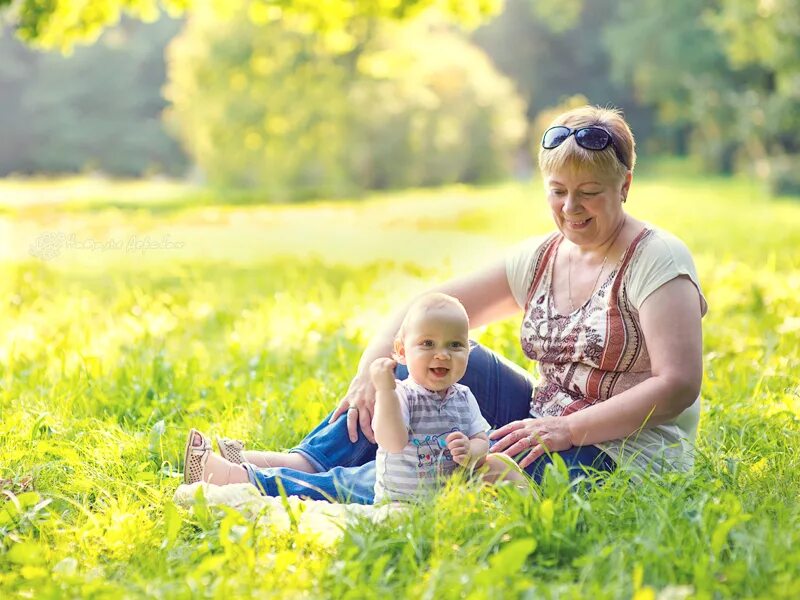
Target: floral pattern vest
{"points": [[591, 354]]}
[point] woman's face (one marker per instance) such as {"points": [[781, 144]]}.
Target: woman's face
{"points": [[586, 207]]}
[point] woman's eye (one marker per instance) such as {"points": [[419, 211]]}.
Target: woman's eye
{"points": [[557, 192]]}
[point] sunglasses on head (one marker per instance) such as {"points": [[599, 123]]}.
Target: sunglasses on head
{"points": [[591, 138]]}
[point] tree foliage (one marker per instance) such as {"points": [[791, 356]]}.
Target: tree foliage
{"points": [[555, 50], [98, 108], [63, 23], [258, 102], [724, 72], [722, 77], [718, 79]]}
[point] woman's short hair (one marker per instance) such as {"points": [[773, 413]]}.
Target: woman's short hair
{"points": [[618, 158]]}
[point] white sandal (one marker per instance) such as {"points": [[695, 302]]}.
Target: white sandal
{"points": [[195, 458], [231, 450]]}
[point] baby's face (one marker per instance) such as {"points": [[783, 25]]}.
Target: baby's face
{"points": [[436, 347]]}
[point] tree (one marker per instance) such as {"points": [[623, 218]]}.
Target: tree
{"points": [[261, 104], [99, 108], [722, 72], [63, 23]]}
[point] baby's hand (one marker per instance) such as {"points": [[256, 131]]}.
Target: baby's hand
{"points": [[458, 444], [382, 373]]}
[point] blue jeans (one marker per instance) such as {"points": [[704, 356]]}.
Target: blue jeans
{"points": [[346, 470]]}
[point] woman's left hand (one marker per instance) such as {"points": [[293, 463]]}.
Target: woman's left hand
{"points": [[549, 434]]}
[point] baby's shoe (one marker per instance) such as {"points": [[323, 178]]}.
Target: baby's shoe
{"points": [[198, 449], [231, 450]]}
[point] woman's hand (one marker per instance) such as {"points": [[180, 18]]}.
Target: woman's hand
{"points": [[359, 404], [549, 434]]}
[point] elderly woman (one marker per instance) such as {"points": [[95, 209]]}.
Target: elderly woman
{"points": [[612, 312]]}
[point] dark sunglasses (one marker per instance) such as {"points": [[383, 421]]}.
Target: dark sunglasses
{"points": [[591, 138]]}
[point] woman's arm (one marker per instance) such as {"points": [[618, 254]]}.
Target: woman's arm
{"points": [[670, 319], [486, 296]]}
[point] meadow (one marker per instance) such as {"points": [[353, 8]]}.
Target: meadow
{"points": [[125, 321]]}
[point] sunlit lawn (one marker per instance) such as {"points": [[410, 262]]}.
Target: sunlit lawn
{"points": [[251, 325]]}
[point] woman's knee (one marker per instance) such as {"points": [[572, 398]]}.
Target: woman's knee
{"points": [[329, 446]]}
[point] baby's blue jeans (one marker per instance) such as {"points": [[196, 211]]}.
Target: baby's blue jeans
{"points": [[346, 470]]}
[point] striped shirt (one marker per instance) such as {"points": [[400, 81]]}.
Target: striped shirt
{"points": [[425, 462]]}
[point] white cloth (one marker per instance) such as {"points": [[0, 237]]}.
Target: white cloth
{"points": [[324, 520]]}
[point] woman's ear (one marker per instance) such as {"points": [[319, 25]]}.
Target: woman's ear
{"points": [[626, 186], [399, 353]]}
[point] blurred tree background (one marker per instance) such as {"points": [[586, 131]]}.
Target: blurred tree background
{"points": [[379, 105], [300, 98], [99, 109]]}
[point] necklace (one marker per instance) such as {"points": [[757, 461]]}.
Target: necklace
{"points": [[600, 272]]}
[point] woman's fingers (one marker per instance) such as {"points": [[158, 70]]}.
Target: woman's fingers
{"points": [[352, 424], [340, 410], [537, 451], [365, 419], [358, 404], [510, 440], [518, 447], [506, 429]]}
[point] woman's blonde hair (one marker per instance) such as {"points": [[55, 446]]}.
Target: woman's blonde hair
{"points": [[618, 158]]}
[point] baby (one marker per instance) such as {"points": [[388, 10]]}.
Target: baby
{"points": [[428, 425]]}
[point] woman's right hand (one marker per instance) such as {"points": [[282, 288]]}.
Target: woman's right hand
{"points": [[359, 404]]}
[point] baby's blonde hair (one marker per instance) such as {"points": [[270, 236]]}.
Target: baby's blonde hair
{"points": [[618, 158], [424, 303]]}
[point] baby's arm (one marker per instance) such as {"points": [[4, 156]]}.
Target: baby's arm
{"points": [[387, 421], [478, 446], [474, 451], [467, 451]]}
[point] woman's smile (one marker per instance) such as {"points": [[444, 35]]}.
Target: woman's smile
{"points": [[578, 224]]}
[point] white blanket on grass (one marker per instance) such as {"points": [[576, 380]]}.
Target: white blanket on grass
{"points": [[315, 517]]}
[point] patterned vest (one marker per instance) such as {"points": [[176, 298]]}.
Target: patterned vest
{"points": [[591, 354]]}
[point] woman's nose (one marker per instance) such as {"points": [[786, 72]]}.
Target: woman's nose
{"points": [[570, 203]]}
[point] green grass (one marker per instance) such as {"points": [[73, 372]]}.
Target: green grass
{"points": [[253, 329]]}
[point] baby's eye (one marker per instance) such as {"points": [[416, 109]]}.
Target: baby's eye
{"points": [[426, 343], [457, 345]]}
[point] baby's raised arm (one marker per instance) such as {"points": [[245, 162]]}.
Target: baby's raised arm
{"points": [[387, 422]]}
